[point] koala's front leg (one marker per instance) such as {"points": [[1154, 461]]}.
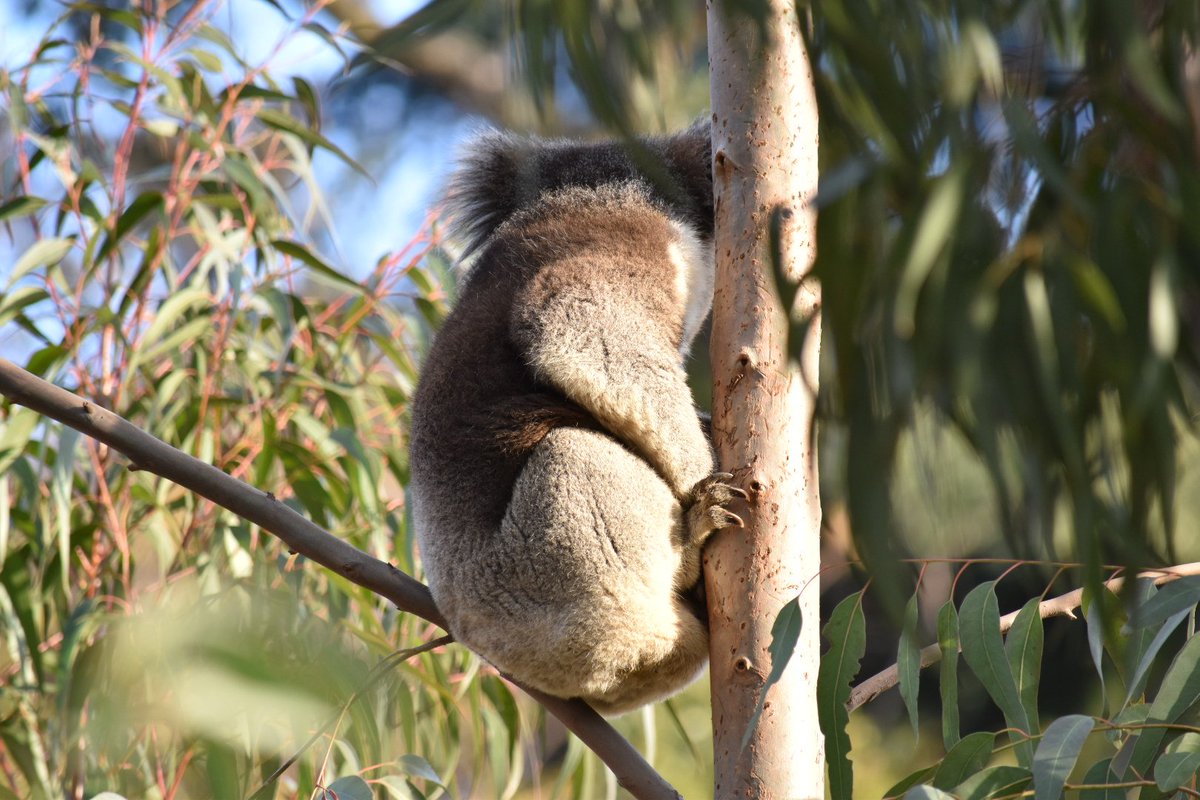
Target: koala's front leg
{"points": [[707, 512], [704, 514], [609, 355]]}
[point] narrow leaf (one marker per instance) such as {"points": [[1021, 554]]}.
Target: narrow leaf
{"points": [[847, 636], [1002, 781], [1173, 770], [979, 626], [948, 672], [1023, 646], [1057, 753], [1140, 673], [131, 216], [20, 207], [785, 632], [419, 768], [298, 251], [1179, 690], [908, 664], [927, 793], [965, 759], [281, 121], [1095, 635], [1178, 595], [351, 787], [43, 253], [920, 776], [1099, 774]]}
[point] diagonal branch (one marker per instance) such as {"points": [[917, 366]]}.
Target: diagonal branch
{"points": [[1062, 606], [315, 543]]}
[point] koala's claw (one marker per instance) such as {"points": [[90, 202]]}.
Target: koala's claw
{"points": [[707, 512]]}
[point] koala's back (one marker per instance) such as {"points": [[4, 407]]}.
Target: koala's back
{"points": [[555, 444], [478, 394]]}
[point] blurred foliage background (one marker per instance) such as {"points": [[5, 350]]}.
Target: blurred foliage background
{"points": [[215, 224]]}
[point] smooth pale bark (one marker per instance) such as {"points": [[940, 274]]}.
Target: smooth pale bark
{"points": [[764, 167]]}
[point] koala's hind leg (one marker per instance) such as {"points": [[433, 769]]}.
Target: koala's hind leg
{"points": [[582, 598]]}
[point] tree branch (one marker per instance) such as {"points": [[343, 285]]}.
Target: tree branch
{"points": [[310, 540], [1062, 606]]}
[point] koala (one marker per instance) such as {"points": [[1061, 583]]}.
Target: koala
{"points": [[562, 485]]}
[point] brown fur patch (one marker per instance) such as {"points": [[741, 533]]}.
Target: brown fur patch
{"points": [[521, 423]]}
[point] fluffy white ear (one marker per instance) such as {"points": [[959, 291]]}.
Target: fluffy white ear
{"points": [[485, 188]]}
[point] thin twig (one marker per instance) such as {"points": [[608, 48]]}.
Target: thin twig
{"points": [[315, 543], [1062, 606]]}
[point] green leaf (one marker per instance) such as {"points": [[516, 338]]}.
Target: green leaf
{"points": [[172, 313], [1002, 781], [934, 235], [979, 626], [46, 362], [1141, 672], [1179, 690], [14, 303], [920, 776], [350, 787], [1095, 617], [131, 216], [1023, 646], [20, 207], [299, 251], [1178, 595], [908, 664], [1098, 774], [419, 768], [846, 633], [15, 432], [308, 98], [965, 759], [785, 632], [242, 172], [42, 253], [1057, 753], [1173, 770], [397, 787], [280, 121], [948, 672], [927, 793]]}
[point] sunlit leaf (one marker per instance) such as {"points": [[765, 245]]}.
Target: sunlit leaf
{"points": [[43, 253], [785, 633], [20, 207]]}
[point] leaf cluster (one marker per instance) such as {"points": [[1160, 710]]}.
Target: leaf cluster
{"points": [[1151, 741], [1007, 233]]}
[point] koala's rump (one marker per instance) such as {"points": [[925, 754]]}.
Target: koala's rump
{"points": [[576, 592]]}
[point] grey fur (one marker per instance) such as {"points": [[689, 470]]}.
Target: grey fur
{"points": [[562, 486]]}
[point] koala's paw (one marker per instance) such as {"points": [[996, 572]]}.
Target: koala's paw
{"points": [[707, 512]]}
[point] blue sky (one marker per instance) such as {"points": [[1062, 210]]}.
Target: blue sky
{"points": [[368, 219]]}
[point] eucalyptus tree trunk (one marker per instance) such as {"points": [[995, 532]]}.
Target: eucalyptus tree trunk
{"points": [[764, 174]]}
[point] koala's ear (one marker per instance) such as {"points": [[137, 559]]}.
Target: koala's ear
{"points": [[486, 187], [689, 153]]}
